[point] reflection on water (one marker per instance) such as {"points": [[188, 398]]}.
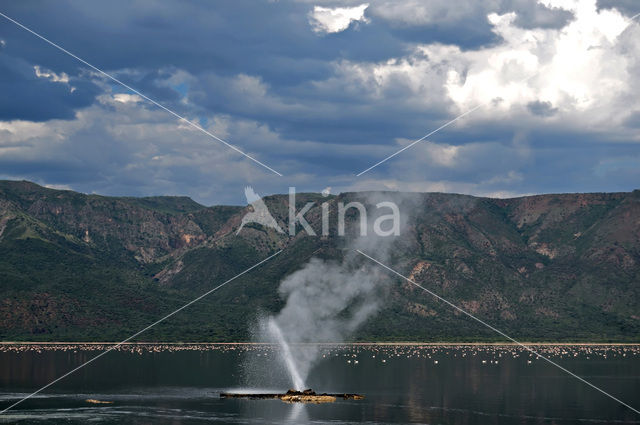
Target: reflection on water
{"points": [[402, 384]]}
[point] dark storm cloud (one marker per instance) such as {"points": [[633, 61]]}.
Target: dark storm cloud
{"points": [[535, 15], [470, 29], [29, 97], [543, 109], [272, 40], [261, 64], [227, 38], [633, 120], [330, 117], [629, 7], [269, 39]]}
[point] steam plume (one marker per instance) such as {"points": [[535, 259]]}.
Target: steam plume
{"points": [[326, 301]]}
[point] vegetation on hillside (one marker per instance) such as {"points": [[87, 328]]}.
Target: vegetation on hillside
{"points": [[542, 268]]}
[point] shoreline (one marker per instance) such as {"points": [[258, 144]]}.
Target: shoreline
{"points": [[365, 344]]}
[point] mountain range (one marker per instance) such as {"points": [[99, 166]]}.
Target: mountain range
{"points": [[555, 267]]}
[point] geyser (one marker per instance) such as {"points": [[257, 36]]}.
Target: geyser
{"points": [[327, 300], [276, 334]]}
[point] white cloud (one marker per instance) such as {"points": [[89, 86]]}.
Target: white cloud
{"points": [[420, 12], [249, 86], [584, 78], [117, 148], [50, 75], [443, 155], [126, 98], [327, 20], [583, 74], [419, 78], [459, 14], [444, 186], [57, 186], [14, 130], [580, 71]]}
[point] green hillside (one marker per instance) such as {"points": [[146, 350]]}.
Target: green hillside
{"points": [[87, 267]]}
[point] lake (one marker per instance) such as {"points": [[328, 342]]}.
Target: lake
{"points": [[170, 384]]}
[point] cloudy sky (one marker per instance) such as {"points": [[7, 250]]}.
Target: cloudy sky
{"points": [[319, 92]]}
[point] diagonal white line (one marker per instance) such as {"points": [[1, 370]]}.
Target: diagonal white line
{"points": [[448, 123], [194, 125], [498, 331], [139, 332], [424, 137]]}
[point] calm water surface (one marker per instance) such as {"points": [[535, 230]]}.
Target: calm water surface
{"points": [[431, 385]]}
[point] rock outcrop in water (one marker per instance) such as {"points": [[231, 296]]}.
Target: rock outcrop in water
{"points": [[293, 396]]}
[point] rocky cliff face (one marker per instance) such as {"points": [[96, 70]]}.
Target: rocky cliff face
{"points": [[547, 267]]}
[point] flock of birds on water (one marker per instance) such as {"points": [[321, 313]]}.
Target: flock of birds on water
{"points": [[490, 354]]}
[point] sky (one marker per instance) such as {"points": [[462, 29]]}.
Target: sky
{"points": [[319, 92]]}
